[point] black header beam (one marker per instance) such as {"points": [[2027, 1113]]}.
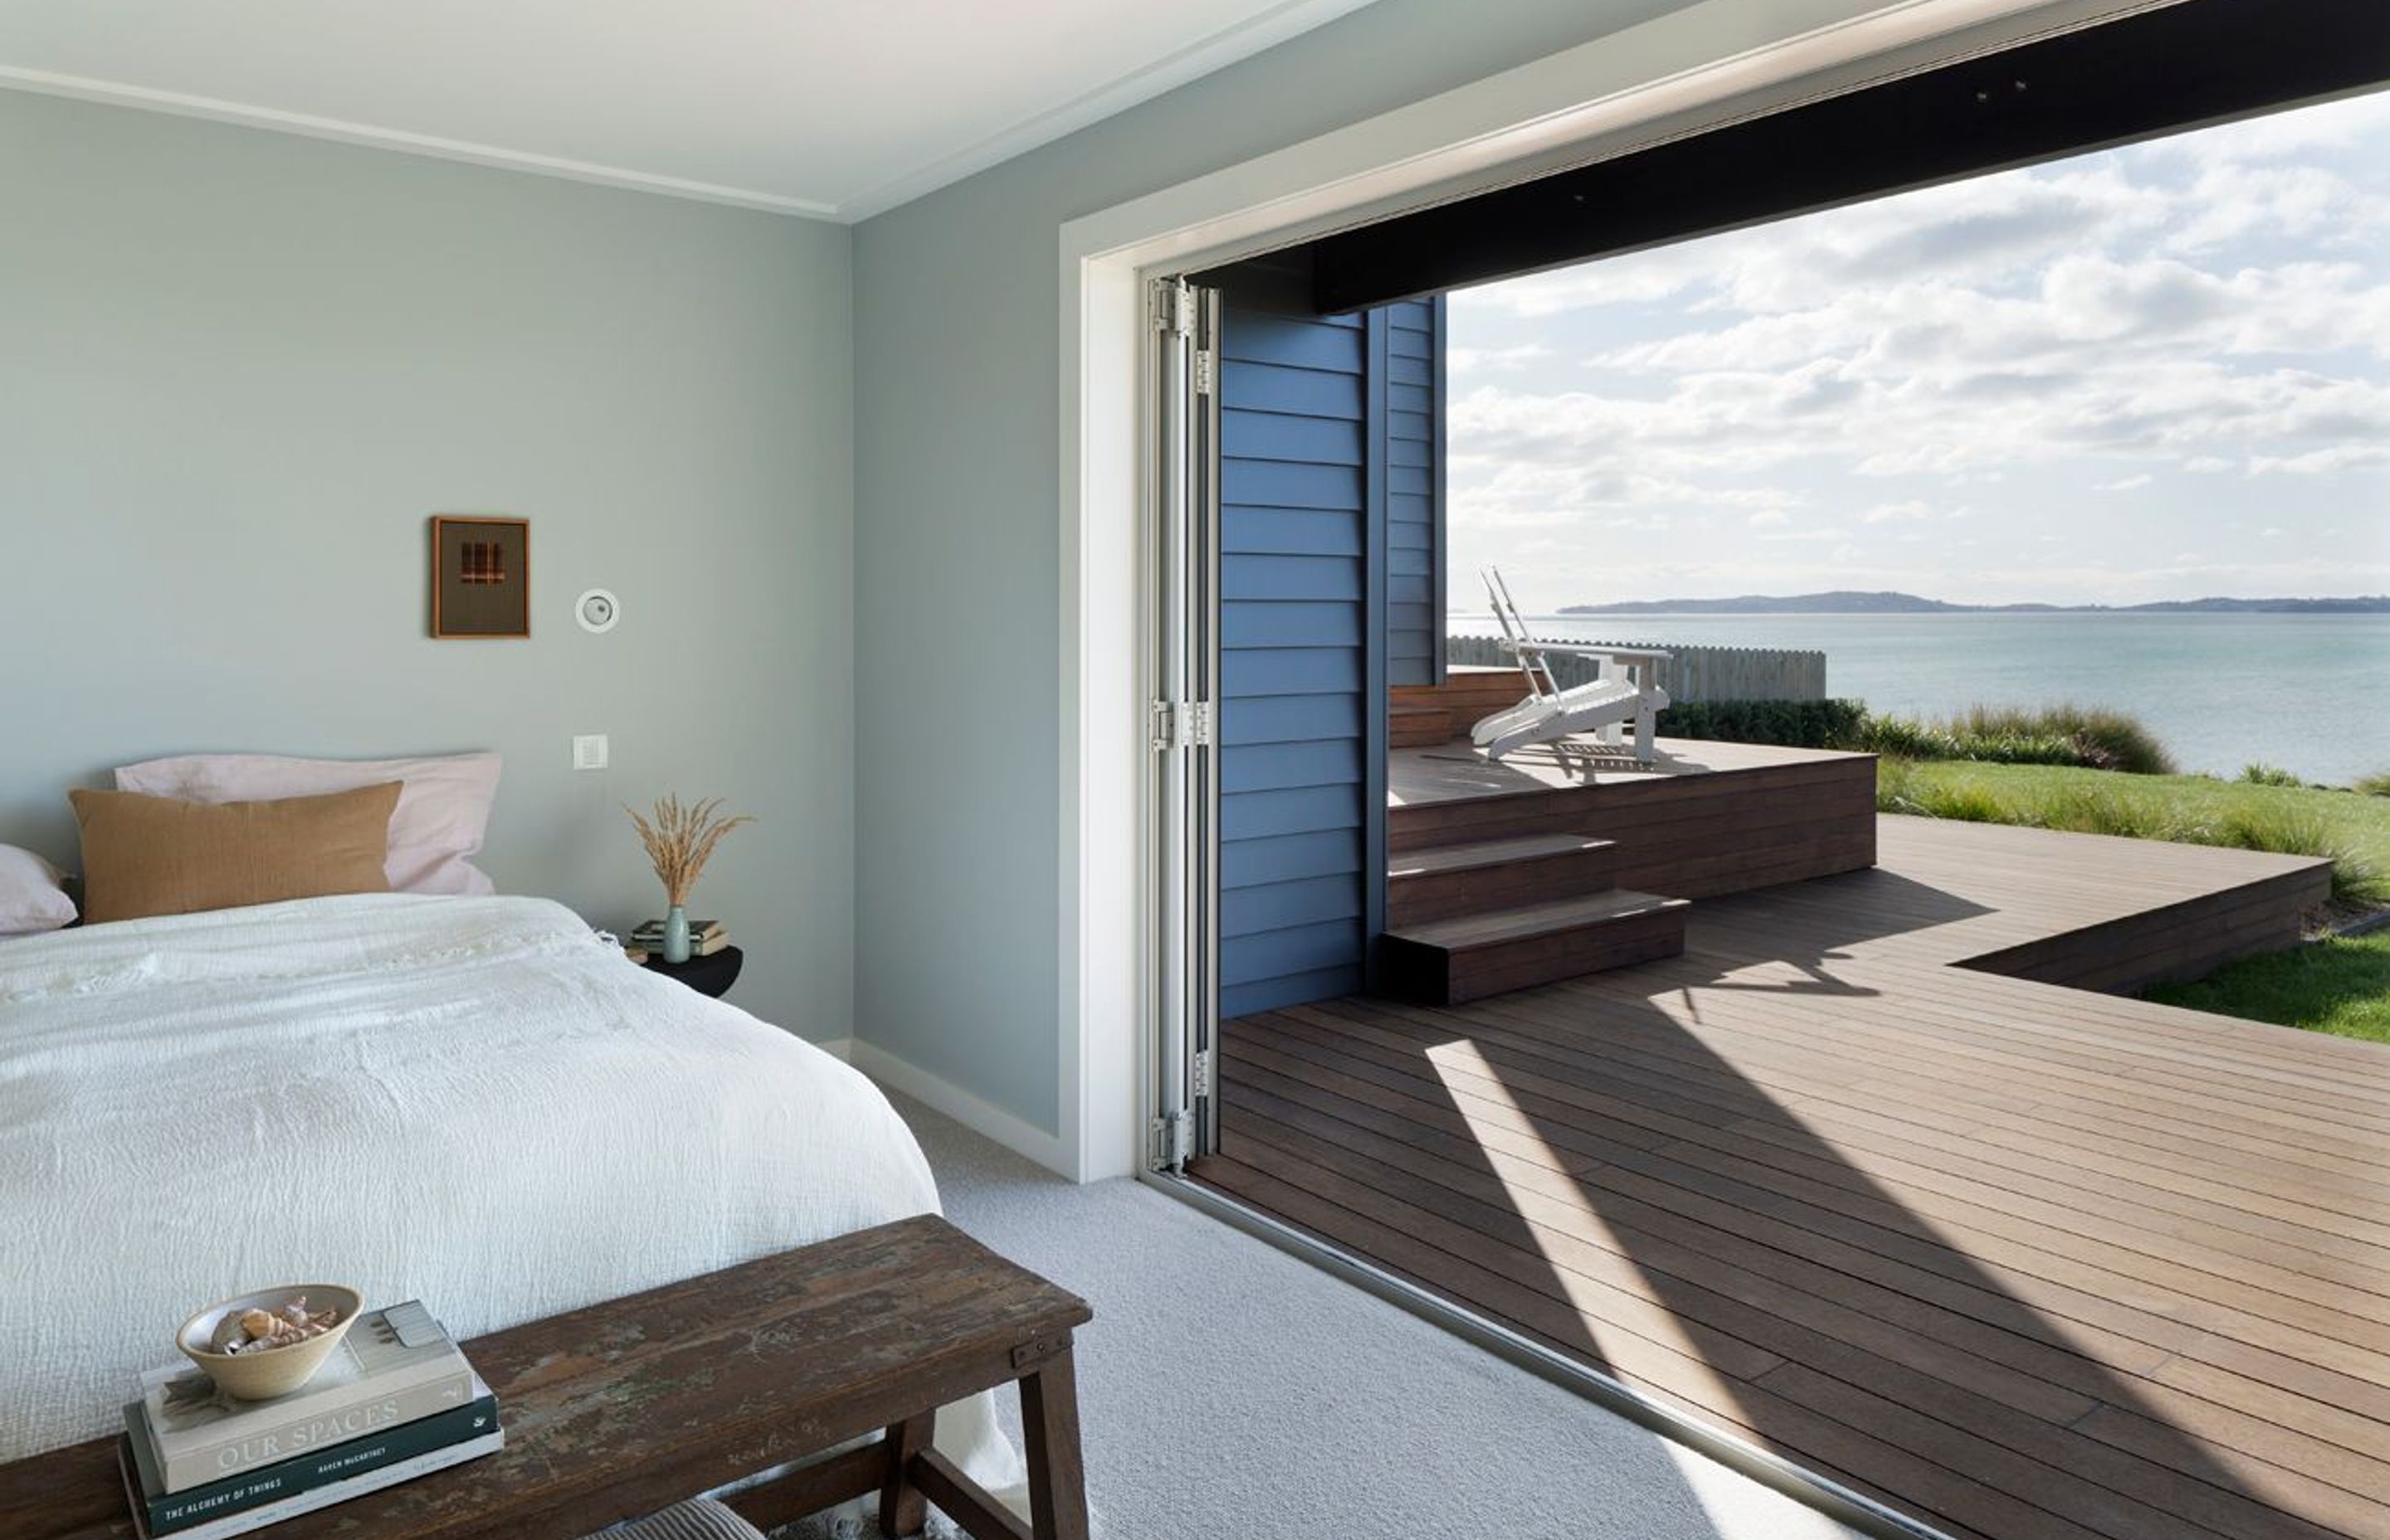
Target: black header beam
{"points": [[2196, 62]]}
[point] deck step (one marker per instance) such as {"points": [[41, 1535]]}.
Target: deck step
{"points": [[1418, 727], [1447, 962], [1483, 875]]}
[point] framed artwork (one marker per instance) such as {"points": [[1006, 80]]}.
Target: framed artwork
{"points": [[481, 576]]}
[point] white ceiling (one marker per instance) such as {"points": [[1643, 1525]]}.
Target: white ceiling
{"points": [[838, 109]]}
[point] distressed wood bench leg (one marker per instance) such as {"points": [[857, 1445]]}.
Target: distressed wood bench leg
{"points": [[1049, 1421], [904, 1508]]}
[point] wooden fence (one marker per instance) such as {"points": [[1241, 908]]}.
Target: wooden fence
{"points": [[1688, 674]]}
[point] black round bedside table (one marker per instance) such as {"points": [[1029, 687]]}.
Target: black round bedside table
{"points": [[708, 975]]}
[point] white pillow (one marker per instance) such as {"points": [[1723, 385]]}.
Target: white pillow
{"points": [[442, 813], [31, 898]]}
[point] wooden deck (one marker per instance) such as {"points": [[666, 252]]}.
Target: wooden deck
{"points": [[2016, 1259], [1702, 819]]}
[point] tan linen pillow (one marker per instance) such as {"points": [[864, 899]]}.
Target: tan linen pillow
{"points": [[156, 856], [442, 813]]}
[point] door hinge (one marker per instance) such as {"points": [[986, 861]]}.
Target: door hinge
{"points": [[1200, 1077], [1207, 366], [1173, 308], [1181, 725], [1170, 1141]]}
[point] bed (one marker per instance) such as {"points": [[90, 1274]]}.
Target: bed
{"points": [[473, 1102]]}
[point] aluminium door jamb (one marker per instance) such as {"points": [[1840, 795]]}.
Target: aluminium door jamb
{"points": [[1183, 562]]}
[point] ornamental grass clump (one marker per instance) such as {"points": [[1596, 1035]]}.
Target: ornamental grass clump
{"points": [[680, 839], [2284, 831], [2093, 739]]}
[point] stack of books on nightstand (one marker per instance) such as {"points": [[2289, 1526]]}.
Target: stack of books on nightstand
{"points": [[397, 1400], [705, 937]]}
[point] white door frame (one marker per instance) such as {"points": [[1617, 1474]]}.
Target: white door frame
{"points": [[1709, 64]]}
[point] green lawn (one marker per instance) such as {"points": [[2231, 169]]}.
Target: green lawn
{"points": [[2339, 986], [2352, 827]]}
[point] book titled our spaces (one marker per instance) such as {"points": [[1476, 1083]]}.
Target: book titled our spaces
{"points": [[397, 1400], [393, 1367], [331, 1473]]}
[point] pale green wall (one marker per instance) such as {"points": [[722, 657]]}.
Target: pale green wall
{"points": [[238, 370], [957, 518]]}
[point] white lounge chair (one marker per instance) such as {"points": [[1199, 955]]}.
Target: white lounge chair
{"points": [[1628, 688]]}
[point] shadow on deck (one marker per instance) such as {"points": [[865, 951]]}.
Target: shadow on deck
{"points": [[2015, 1259]]}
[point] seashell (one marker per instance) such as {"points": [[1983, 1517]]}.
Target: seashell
{"points": [[256, 1331]]}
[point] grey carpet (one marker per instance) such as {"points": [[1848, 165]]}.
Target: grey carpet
{"points": [[1227, 1389]]}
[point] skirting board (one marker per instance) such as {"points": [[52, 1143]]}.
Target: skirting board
{"points": [[979, 1116]]}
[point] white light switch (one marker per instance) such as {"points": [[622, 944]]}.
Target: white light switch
{"points": [[589, 752]]}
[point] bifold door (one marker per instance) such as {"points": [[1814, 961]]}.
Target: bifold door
{"points": [[1184, 564]]}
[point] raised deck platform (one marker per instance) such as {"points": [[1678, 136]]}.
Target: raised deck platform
{"points": [[1568, 858], [2014, 1259], [1703, 818]]}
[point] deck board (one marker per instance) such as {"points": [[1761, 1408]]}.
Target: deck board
{"points": [[2017, 1259]]}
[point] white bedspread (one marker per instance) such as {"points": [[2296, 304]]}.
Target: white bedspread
{"points": [[472, 1101]]}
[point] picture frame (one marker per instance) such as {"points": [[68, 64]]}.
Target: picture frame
{"points": [[481, 577]]}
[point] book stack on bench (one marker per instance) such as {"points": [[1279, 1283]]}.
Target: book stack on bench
{"points": [[397, 1400], [705, 937]]}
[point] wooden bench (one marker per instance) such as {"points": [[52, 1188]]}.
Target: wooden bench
{"points": [[623, 1408]]}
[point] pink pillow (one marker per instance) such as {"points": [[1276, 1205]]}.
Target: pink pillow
{"points": [[31, 898], [443, 806]]}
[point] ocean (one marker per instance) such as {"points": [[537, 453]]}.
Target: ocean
{"points": [[2309, 693]]}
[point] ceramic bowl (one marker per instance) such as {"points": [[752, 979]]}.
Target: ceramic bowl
{"points": [[262, 1375]]}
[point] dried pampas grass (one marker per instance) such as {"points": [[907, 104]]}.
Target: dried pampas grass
{"points": [[680, 839]]}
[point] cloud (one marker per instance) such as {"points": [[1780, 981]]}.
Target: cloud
{"points": [[2300, 203], [1493, 360], [2327, 461], [2216, 304], [1516, 492]]}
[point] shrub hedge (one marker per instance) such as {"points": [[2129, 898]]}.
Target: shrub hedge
{"points": [[1791, 724], [2048, 735]]}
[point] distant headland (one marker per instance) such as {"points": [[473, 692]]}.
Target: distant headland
{"points": [[1845, 601]]}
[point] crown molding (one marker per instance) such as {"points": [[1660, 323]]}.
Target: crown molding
{"points": [[1280, 23], [183, 104]]}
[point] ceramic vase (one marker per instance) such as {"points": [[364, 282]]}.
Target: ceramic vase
{"points": [[677, 934]]}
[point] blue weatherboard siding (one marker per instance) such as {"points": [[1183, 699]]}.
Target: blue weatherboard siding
{"points": [[1328, 532], [1294, 665], [1413, 436]]}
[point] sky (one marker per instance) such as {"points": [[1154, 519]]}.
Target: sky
{"points": [[2155, 372]]}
